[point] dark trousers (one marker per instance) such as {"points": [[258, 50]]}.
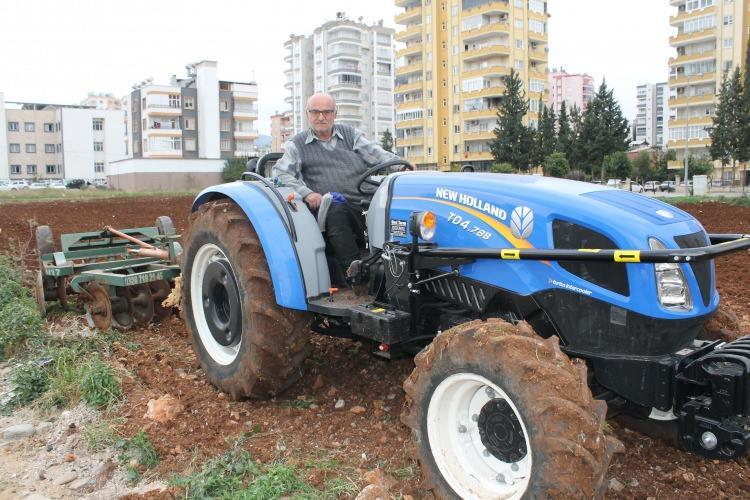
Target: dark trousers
{"points": [[345, 235]]}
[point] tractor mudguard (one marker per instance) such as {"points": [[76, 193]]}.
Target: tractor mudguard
{"points": [[298, 268]]}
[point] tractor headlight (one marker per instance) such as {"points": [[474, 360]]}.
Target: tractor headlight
{"points": [[671, 284], [424, 223]]}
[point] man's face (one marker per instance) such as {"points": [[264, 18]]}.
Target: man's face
{"points": [[321, 113]]}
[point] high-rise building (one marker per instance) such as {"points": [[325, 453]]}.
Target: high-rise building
{"points": [[448, 76], [281, 130], [710, 41], [353, 62], [651, 120], [52, 141], [4, 172], [575, 89]]}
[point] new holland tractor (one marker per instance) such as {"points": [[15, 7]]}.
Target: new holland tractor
{"points": [[533, 304]]}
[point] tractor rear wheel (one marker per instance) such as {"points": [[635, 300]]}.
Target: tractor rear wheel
{"points": [[498, 412], [247, 344]]}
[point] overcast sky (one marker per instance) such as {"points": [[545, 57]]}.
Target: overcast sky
{"points": [[58, 50]]}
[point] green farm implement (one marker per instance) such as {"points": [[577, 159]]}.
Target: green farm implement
{"points": [[122, 277]]}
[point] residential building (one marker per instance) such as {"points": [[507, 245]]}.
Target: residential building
{"points": [[449, 75], [4, 172], [281, 130], [652, 115], [53, 141], [199, 120], [575, 89], [353, 62], [710, 41], [102, 101]]}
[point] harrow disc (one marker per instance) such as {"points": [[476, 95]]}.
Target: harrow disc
{"points": [[160, 290], [41, 301], [99, 306], [62, 292], [122, 318], [141, 304]]}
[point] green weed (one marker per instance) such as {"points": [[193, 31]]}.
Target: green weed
{"points": [[136, 454], [30, 382], [99, 435], [302, 403], [99, 386], [278, 480], [65, 380], [222, 477]]}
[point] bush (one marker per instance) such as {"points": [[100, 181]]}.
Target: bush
{"points": [[99, 386], [20, 324], [65, 380], [617, 165], [233, 169], [137, 453], [556, 165], [502, 168], [30, 381]]}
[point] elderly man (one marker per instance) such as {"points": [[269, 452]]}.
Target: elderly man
{"points": [[328, 158]]}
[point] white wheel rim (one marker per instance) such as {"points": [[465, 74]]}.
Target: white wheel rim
{"points": [[457, 447], [223, 355]]}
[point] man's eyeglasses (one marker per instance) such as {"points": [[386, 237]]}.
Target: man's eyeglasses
{"points": [[327, 113]]}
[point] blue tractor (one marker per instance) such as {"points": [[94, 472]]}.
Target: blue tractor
{"points": [[533, 306]]}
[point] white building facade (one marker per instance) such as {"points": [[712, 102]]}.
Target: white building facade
{"points": [[4, 172], [91, 140], [352, 61], [652, 114]]}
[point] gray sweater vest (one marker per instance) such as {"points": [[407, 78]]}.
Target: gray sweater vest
{"points": [[328, 171]]}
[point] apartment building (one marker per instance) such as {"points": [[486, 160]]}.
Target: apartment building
{"points": [[52, 141], [281, 130], [710, 41], [353, 62], [652, 114], [449, 74], [575, 89], [100, 100], [179, 134], [4, 171]]}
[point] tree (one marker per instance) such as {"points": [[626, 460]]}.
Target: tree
{"points": [[698, 165], [721, 130], [565, 137], [556, 165], [502, 168], [745, 116], [575, 153], [617, 165], [233, 169], [546, 141], [642, 166], [386, 142], [513, 140], [604, 130]]}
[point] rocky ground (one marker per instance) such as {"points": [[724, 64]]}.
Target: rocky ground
{"points": [[340, 422]]}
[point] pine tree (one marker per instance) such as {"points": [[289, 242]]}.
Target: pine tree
{"points": [[736, 124], [575, 156], [386, 142], [720, 131], [564, 133], [546, 139], [745, 117], [513, 140]]}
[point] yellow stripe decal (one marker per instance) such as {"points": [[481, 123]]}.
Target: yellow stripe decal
{"points": [[627, 255], [589, 250], [507, 254]]}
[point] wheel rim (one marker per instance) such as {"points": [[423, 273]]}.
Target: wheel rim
{"points": [[99, 307], [475, 433], [141, 304], [214, 297]]}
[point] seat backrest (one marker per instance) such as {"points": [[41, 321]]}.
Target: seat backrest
{"points": [[263, 167]]}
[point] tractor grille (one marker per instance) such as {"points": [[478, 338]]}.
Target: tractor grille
{"points": [[461, 291], [701, 270]]}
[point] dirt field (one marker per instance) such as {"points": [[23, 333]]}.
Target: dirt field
{"points": [[341, 370]]}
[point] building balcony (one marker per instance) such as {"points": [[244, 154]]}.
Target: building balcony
{"points": [[166, 153], [410, 141], [345, 36], [410, 33], [488, 51], [164, 130], [345, 86], [480, 135], [675, 81], [406, 3], [244, 153], [477, 155], [710, 54], [410, 15], [501, 7], [538, 54], [496, 90], [409, 104], [163, 109], [353, 54], [495, 70], [706, 121], [692, 144], [412, 49], [410, 123], [684, 16], [479, 113], [693, 36], [246, 134], [489, 29], [538, 74], [408, 87], [694, 100], [245, 115], [416, 67]]}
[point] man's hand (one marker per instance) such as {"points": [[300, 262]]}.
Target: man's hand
{"points": [[313, 200]]}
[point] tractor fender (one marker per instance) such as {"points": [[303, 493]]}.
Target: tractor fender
{"points": [[298, 268]]}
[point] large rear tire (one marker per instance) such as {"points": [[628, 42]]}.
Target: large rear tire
{"points": [[247, 344], [498, 412]]}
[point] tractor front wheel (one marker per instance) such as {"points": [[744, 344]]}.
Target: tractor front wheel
{"points": [[247, 344], [497, 412]]}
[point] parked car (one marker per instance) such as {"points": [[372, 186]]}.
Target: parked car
{"points": [[18, 184], [651, 186], [635, 187], [100, 183], [56, 184], [4, 185], [614, 183], [75, 184], [667, 186]]}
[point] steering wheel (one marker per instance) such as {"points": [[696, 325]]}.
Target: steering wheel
{"points": [[364, 179]]}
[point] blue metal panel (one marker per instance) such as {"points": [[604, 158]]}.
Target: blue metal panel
{"points": [[274, 237], [512, 211]]}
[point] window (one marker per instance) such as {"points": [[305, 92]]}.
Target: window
{"points": [[456, 129], [57, 126], [15, 169], [189, 144], [30, 169], [29, 127], [728, 20], [189, 103], [12, 126], [49, 127], [189, 124], [174, 100], [537, 6], [14, 148], [49, 148], [519, 44], [226, 145], [519, 23], [31, 148], [728, 43], [58, 148], [98, 146], [224, 125], [99, 167], [51, 169], [519, 64], [97, 123], [519, 3], [537, 26], [536, 85], [223, 105]]}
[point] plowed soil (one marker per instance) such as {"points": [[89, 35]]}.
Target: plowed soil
{"points": [[303, 425]]}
